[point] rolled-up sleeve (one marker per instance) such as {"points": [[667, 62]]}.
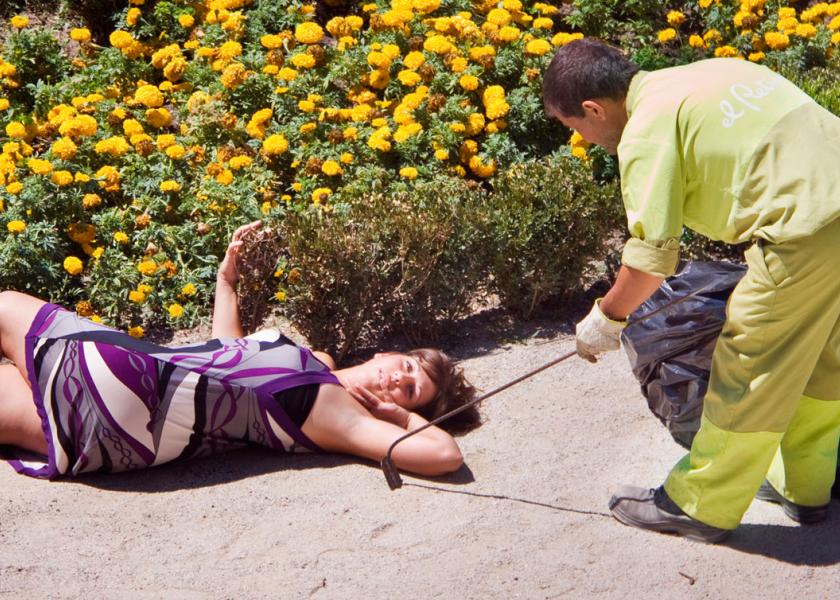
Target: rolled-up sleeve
{"points": [[660, 260], [653, 190]]}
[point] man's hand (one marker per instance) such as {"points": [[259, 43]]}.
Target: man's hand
{"points": [[597, 334]]}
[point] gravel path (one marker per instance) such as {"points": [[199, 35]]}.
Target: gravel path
{"points": [[525, 518]]}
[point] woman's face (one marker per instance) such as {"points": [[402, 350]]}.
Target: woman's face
{"points": [[400, 379]]}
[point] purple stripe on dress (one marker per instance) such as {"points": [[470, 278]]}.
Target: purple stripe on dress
{"points": [[144, 453], [211, 364], [43, 318], [258, 372], [217, 406], [137, 372]]}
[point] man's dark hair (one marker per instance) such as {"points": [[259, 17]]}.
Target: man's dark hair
{"points": [[583, 70]]}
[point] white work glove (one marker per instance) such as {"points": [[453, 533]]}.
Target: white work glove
{"points": [[597, 334]]}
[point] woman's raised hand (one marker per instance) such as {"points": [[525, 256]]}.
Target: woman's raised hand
{"points": [[228, 270], [385, 411]]}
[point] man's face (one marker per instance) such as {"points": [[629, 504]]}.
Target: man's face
{"points": [[602, 123]]}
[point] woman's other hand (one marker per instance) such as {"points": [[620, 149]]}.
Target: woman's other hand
{"points": [[385, 411], [228, 269]]}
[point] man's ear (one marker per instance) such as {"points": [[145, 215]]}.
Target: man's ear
{"points": [[593, 108]]}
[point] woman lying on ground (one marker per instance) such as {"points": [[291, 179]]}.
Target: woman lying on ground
{"points": [[83, 397]]}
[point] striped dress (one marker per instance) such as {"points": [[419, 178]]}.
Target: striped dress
{"points": [[110, 402]]}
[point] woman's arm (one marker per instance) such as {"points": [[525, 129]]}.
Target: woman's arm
{"points": [[338, 423], [226, 321]]}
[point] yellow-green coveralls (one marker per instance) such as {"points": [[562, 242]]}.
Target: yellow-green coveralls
{"points": [[737, 153]]}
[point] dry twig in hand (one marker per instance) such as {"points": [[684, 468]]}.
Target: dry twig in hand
{"points": [[256, 263]]}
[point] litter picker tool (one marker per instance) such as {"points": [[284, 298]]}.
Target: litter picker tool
{"points": [[392, 474]]}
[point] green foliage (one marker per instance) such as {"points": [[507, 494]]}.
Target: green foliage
{"points": [[379, 261], [547, 221], [39, 60]]}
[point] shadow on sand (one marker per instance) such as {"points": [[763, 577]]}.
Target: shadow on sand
{"points": [[234, 466]]}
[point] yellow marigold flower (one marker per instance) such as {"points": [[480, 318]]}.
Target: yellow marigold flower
{"points": [[149, 96], [280, 296], [275, 144], [62, 178], [438, 44], [64, 148], [835, 38], [458, 65], [562, 38], [675, 18], [16, 129], [81, 233], [158, 117], [136, 296], [84, 308], [346, 158], [164, 141], [147, 267], [414, 60], [726, 52], [233, 75], [320, 194], [286, 74], [481, 168], [806, 30], [229, 50], [493, 99], [579, 152], [109, 178], [73, 265], [307, 128], [189, 290], [543, 23], [457, 127], [240, 162], [115, 146], [14, 188], [695, 41], [175, 310], [225, 177], [469, 82], [132, 127], [80, 34], [408, 78], [271, 41], [136, 331], [91, 200], [331, 168], [121, 39], [19, 21], [350, 134], [666, 35], [306, 106], [499, 16], [408, 173], [176, 152], [776, 40], [15, 226], [80, 177], [309, 33], [132, 15], [404, 132], [186, 20], [170, 185], [711, 36], [144, 288], [4, 103], [39, 166], [120, 237], [379, 139], [80, 126], [537, 47], [509, 33]]}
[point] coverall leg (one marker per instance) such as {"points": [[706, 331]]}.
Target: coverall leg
{"points": [[774, 386]]}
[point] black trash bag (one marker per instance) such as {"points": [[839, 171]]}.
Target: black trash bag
{"points": [[671, 351]]}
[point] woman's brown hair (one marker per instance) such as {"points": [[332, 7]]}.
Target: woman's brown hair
{"points": [[453, 390]]}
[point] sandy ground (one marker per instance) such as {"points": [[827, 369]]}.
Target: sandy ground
{"points": [[525, 518]]}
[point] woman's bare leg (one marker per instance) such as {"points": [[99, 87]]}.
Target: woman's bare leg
{"points": [[16, 314], [20, 424]]}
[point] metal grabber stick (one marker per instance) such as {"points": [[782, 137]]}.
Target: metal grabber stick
{"points": [[392, 474]]}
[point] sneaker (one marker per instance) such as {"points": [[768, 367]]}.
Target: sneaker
{"points": [[806, 515], [654, 510]]}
